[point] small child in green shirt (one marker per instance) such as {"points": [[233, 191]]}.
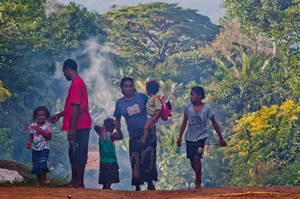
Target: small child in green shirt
{"points": [[109, 168]]}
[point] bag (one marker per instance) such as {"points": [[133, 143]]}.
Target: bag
{"points": [[165, 111]]}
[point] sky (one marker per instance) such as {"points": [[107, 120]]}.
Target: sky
{"points": [[209, 8]]}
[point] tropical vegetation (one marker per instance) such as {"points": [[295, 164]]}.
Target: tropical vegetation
{"points": [[248, 65]]}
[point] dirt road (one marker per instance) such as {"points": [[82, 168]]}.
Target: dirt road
{"points": [[207, 193]]}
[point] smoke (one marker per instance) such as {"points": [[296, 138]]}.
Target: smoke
{"points": [[97, 72]]}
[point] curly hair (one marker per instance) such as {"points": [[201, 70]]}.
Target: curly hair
{"points": [[109, 123], [41, 108], [152, 86]]}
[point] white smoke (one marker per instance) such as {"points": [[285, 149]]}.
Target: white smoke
{"points": [[102, 98]]}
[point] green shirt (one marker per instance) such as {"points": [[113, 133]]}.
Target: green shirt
{"points": [[107, 150]]}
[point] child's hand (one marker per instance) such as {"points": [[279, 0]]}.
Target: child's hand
{"points": [[179, 142], [28, 145], [38, 129], [154, 120], [97, 129]]}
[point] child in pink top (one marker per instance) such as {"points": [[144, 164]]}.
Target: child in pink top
{"points": [[40, 136]]}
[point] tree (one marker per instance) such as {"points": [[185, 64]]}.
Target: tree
{"points": [[29, 61], [279, 19], [147, 34], [236, 53]]}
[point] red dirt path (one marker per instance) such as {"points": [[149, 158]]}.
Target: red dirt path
{"points": [[207, 193]]}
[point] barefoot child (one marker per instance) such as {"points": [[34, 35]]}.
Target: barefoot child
{"points": [[40, 136], [153, 108], [195, 116], [108, 160]]}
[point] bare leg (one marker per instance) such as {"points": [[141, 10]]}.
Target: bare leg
{"points": [[44, 177], [108, 186], [79, 176], [151, 186], [146, 129], [137, 187], [193, 164], [39, 177], [198, 172]]}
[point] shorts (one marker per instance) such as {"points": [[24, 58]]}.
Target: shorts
{"points": [[195, 149], [78, 148], [149, 116], [109, 173], [39, 161]]}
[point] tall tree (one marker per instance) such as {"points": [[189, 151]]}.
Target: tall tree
{"points": [[147, 34]]}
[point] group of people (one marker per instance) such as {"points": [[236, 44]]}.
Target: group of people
{"points": [[140, 113]]}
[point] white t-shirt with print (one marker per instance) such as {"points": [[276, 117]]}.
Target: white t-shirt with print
{"points": [[197, 122]]}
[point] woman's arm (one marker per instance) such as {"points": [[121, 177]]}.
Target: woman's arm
{"points": [[182, 128]]}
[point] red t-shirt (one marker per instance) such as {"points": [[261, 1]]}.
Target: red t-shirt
{"points": [[77, 94]]}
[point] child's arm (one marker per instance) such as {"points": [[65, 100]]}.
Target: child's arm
{"points": [[182, 128], [44, 134], [28, 145], [156, 116], [216, 127], [98, 129], [118, 135]]}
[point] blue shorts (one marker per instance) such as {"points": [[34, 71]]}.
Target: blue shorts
{"points": [[78, 148], [39, 161], [195, 149]]}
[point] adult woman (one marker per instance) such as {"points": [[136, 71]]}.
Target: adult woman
{"points": [[143, 160]]}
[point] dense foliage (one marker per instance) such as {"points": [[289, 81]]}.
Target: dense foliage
{"points": [[249, 67], [264, 150]]}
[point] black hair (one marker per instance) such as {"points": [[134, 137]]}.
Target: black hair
{"points": [[152, 86], [125, 79], [70, 63], [199, 90], [41, 108], [109, 123]]}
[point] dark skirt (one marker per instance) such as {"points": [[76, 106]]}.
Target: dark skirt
{"points": [[39, 161], [143, 160], [109, 173]]}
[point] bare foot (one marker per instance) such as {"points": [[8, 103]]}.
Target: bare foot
{"points": [[137, 188], [68, 185], [150, 186], [46, 181], [78, 186], [40, 181], [197, 186]]}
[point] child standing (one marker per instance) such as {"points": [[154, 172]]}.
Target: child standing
{"points": [[153, 108], [196, 115], [109, 169], [40, 137]]}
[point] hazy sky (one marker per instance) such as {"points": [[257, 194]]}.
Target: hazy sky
{"points": [[210, 8]]}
